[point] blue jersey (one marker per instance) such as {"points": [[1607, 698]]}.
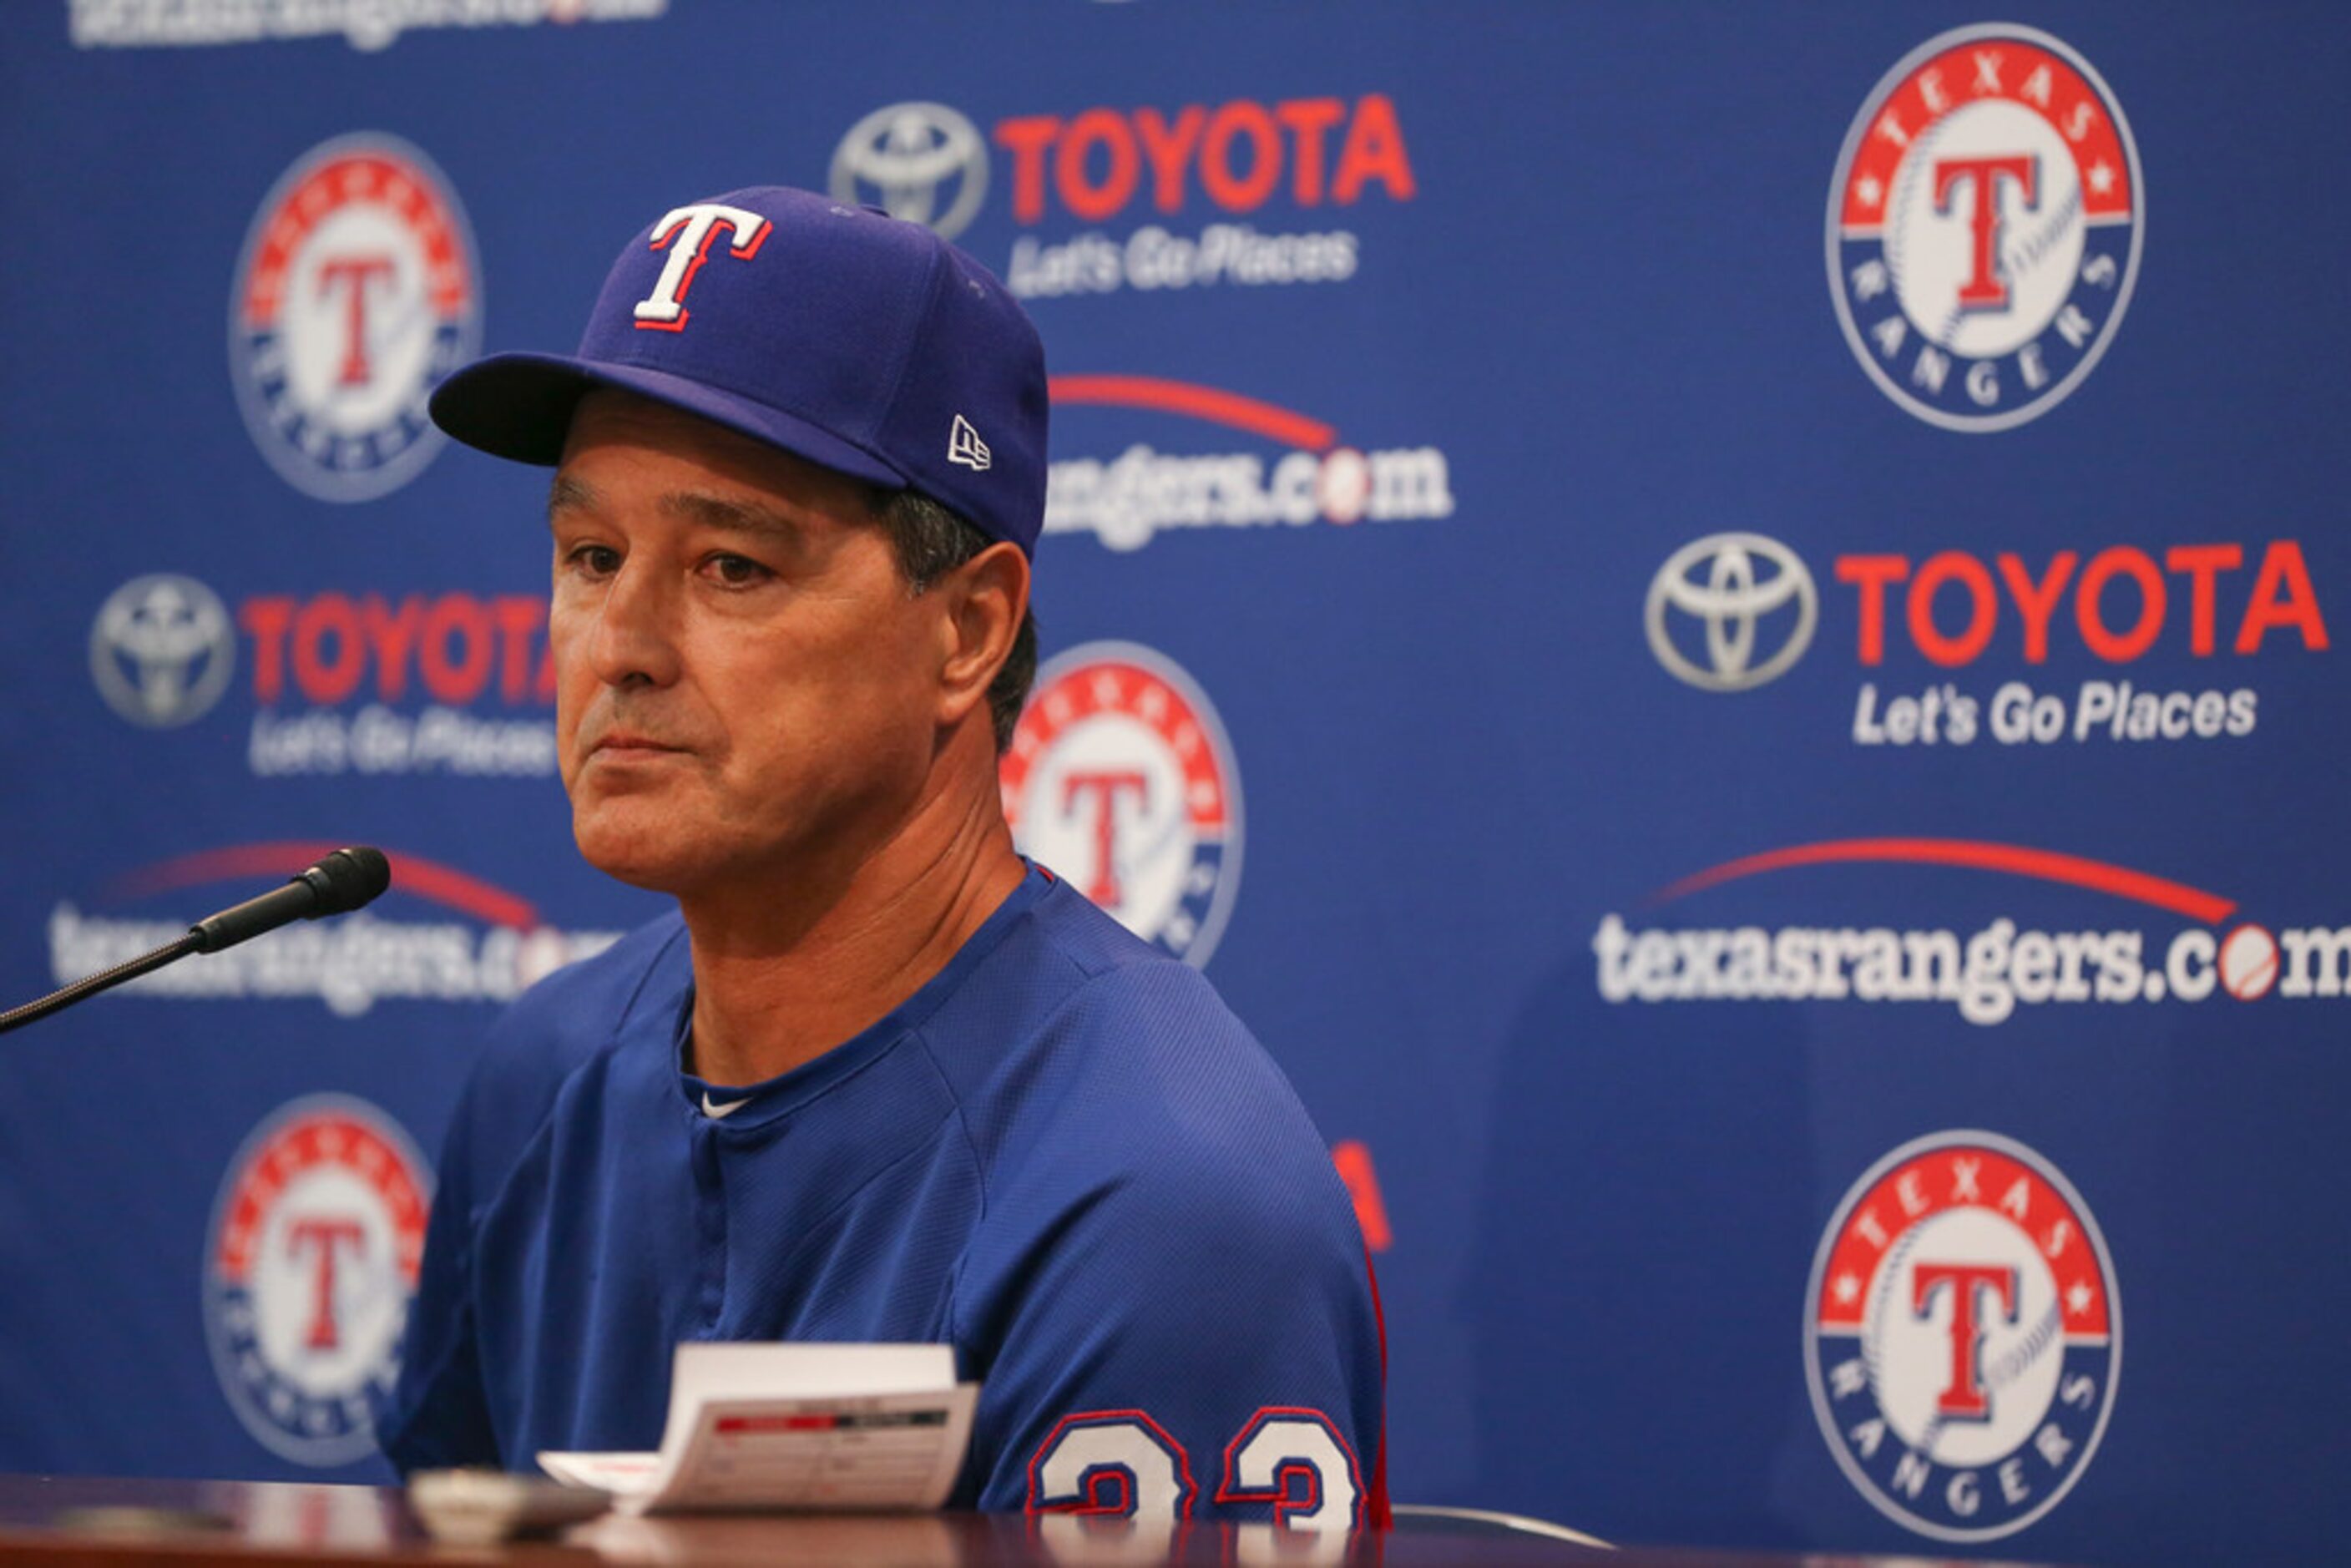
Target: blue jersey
{"points": [[1062, 1156]]}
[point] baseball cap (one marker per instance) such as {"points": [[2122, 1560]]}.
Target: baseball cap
{"points": [[844, 336]]}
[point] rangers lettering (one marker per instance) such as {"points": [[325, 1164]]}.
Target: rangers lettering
{"points": [[2053, 1447], [686, 233]]}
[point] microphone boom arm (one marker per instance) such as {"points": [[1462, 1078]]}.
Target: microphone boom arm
{"points": [[339, 882], [105, 979]]}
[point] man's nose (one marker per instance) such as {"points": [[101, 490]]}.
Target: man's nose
{"points": [[636, 639]]}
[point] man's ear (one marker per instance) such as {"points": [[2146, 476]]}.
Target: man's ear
{"points": [[982, 603]]}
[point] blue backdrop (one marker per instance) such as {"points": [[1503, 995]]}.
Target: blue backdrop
{"points": [[1742, 604]]}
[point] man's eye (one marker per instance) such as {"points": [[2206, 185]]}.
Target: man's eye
{"points": [[597, 561], [738, 572]]}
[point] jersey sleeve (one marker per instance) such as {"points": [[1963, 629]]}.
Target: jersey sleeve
{"points": [[439, 1413], [1185, 1327], [436, 1416]]}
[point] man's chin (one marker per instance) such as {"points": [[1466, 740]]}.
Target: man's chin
{"points": [[642, 858]]}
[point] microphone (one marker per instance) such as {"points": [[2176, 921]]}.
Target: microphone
{"points": [[339, 884]]}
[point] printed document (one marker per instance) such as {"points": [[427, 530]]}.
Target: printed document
{"points": [[873, 1427]]}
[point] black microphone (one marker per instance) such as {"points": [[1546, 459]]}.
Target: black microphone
{"points": [[339, 882]]}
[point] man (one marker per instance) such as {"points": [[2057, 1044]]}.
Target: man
{"points": [[878, 1078]]}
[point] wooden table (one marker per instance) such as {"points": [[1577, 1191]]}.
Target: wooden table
{"points": [[80, 1521]]}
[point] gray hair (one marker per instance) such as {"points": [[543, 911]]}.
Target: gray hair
{"points": [[930, 542]]}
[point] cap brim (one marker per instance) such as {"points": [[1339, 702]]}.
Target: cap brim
{"points": [[520, 406]]}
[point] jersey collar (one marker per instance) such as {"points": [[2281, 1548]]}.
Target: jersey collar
{"points": [[758, 1105]]}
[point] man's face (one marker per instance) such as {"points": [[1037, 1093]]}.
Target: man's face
{"points": [[742, 680]]}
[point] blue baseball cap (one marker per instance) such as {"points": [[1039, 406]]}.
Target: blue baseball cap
{"points": [[843, 335]]}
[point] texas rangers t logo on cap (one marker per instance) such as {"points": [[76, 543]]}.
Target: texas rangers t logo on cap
{"points": [[850, 339], [686, 233]]}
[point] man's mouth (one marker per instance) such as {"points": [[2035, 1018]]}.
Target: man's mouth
{"points": [[622, 745]]}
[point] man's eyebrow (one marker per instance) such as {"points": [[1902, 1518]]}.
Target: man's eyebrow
{"points": [[569, 494], [733, 515]]}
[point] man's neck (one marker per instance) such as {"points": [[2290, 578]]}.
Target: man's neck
{"points": [[781, 978]]}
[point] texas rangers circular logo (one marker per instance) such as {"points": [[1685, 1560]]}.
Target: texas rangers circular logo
{"points": [[315, 1243], [1119, 777], [357, 292], [1984, 226], [1962, 1335]]}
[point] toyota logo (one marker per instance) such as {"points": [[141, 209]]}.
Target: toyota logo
{"points": [[161, 650], [910, 159], [1729, 583]]}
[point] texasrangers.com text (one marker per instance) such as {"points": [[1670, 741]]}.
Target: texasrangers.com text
{"points": [[1986, 975], [349, 964], [1125, 501]]}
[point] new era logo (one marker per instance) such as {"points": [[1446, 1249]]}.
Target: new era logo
{"points": [[964, 446]]}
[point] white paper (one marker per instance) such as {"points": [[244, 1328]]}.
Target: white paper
{"points": [[617, 1473], [827, 1426]]}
